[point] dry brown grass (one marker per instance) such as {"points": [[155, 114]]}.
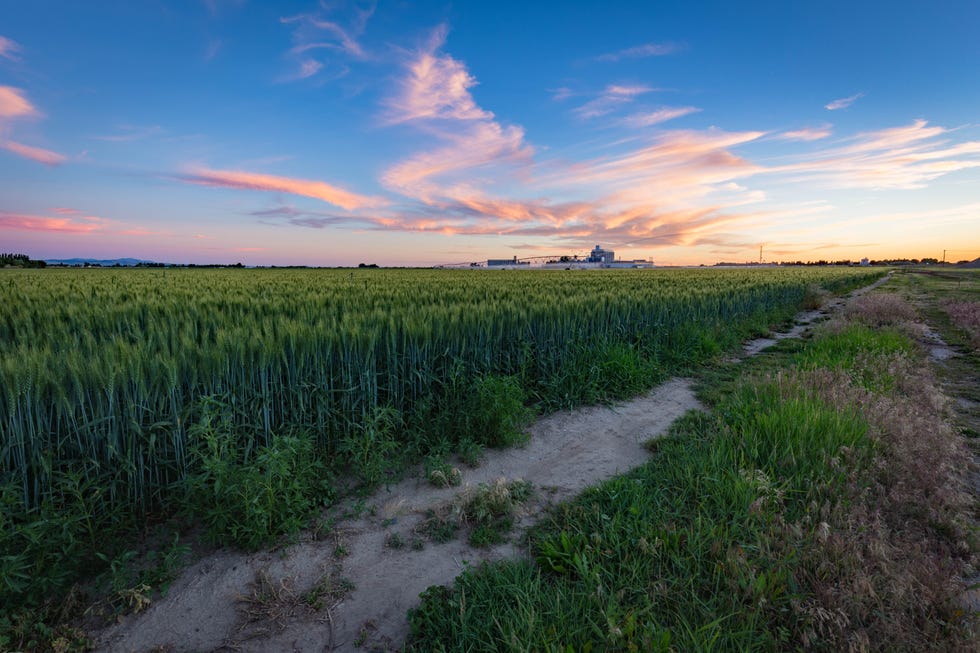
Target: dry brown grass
{"points": [[880, 309], [966, 315], [887, 561]]}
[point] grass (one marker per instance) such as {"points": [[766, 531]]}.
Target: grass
{"points": [[149, 395], [488, 511], [816, 506]]}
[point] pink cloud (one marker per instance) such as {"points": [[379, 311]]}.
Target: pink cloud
{"points": [[481, 144], [675, 167], [28, 222], [436, 86], [40, 155], [656, 117], [900, 157], [649, 192], [13, 104], [806, 134], [262, 182], [9, 49], [434, 97]]}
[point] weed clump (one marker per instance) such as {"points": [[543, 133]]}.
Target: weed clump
{"points": [[442, 474], [814, 297], [253, 501], [488, 510]]}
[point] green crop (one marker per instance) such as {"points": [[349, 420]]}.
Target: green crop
{"points": [[106, 376]]}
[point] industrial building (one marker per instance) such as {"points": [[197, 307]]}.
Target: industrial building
{"points": [[597, 258]]}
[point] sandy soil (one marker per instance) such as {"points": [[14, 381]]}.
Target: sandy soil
{"points": [[237, 601], [351, 591]]}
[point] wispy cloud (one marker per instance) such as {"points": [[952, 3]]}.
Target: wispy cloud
{"points": [[610, 99], [899, 157], [482, 144], [806, 134], [677, 188], [435, 86], [129, 133], [9, 49], [648, 118], [270, 183], [78, 224], [561, 93], [313, 32], [38, 154], [843, 103], [305, 68], [214, 47], [14, 104], [676, 169], [641, 51], [434, 97]]}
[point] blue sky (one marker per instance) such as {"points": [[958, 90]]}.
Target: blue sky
{"points": [[422, 133]]}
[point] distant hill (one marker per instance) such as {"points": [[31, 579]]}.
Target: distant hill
{"points": [[106, 263], [975, 263]]}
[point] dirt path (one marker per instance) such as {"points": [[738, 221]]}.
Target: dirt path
{"points": [[352, 590]]}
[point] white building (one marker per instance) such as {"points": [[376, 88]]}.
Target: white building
{"points": [[599, 255]]}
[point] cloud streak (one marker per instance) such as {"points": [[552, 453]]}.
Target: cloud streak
{"points": [[650, 118], [43, 223], [9, 49], [906, 157], [806, 134], [313, 32], [640, 52], [37, 154], [242, 180], [611, 98], [843, 103], [14, 104]]}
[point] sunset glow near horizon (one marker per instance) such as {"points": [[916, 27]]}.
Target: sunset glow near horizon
{"points": [[424, 133]]}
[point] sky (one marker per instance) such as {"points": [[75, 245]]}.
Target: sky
{"points": [[427, 133]]}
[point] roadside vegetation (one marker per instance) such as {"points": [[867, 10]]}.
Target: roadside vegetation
{"points": [[820, 504], [141, 404]]}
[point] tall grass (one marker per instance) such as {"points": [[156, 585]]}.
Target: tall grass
{"points": [[809, 510], [106, 376]]}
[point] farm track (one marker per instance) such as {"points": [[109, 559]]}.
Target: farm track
{"points": [[306, 597]]}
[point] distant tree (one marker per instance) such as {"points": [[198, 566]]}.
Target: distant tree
{"points": [[20, 261]]}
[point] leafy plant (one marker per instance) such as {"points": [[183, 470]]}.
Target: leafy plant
{"points": [[251, 502]]}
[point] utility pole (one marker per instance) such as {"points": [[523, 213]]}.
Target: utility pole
{"points": [[760, 253], [944, 256]]}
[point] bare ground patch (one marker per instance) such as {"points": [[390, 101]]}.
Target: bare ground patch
{"points": [[216, 604], [352, 590]]}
